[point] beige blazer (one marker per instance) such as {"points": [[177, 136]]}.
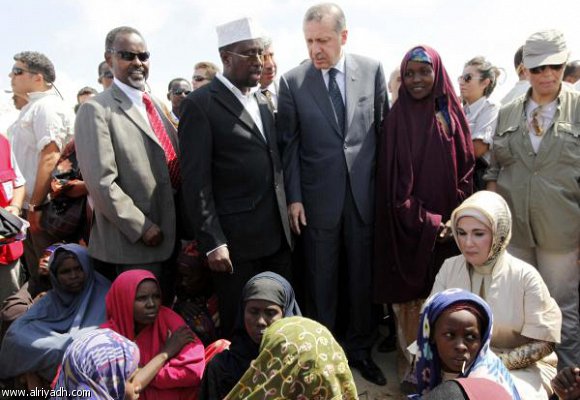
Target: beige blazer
{"points": [[124, 167]]}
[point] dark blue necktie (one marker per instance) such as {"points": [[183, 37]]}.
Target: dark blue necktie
{"points": [[336, 98]]}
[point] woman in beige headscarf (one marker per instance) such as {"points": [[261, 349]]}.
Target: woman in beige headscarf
{"points": [[527, 319]]}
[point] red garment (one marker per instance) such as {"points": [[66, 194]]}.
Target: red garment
{"points": [[423, 174], [180, 377], [161, 133], [8, 252]]}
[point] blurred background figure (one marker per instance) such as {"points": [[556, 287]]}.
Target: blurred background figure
{"points": [[476, 84], [177, 90], [522, 85], [203, 73], [105, 75], [83, 95], [394, 84]]}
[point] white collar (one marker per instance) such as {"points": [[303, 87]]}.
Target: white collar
{"points": [[135, 95], [340, 65]]}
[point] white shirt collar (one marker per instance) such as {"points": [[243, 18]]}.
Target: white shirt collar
{"points": [[135, 95], [474, 108], [340, 65], [234, 88]]}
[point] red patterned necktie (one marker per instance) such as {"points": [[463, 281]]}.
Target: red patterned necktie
{"points": [[161, 133]]}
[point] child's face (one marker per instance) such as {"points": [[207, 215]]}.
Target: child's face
{"points": [[458, 339]]}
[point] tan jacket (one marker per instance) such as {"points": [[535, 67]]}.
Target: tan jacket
{"points": [[543, 189]]}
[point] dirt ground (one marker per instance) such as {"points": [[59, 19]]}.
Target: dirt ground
{"points": [[369, 391]]}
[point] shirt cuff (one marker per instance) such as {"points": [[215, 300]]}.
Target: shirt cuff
{"points": [[211, 251]]}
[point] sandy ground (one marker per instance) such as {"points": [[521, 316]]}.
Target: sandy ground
{"points": [[369, 391]]}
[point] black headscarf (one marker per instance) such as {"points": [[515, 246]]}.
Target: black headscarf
{"points": [[226, 369]]}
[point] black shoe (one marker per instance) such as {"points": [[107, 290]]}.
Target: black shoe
{"points": [[388, 344], [369, 370]]}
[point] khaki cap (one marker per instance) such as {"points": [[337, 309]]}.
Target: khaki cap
{"points": [[545, 48]]}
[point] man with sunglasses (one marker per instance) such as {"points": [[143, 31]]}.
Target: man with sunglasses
{"points": [[536, 168], [177, 90], [232, 173], [105, 75], [203, 73], [43, 128], [126, 149]]}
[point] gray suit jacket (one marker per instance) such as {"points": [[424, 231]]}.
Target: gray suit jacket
{"points": [[318, 158], [124, 168]]}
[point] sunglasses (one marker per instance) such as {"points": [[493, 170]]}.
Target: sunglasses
{"points": [[256, 55], [108, 75], [553, 67], [179, 92], [199, 78], [467, 77], [130, 56], [19, 71]]}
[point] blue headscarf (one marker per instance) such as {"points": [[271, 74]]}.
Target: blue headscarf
{"points": [[101, 362], [39, 338], [486, 364]]}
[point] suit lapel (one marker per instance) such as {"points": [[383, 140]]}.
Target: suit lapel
{"points": [[226, 98], [133, 114], [315, 83], [267, 118], [352, 91]]}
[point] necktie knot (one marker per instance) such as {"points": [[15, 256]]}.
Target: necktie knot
{"points": [[332, 73]]}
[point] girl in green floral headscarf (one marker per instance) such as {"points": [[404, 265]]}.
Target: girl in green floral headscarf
{"points": [[299, 359]]}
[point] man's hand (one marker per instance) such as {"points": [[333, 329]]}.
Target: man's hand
{"points": [[297, 217], [567, 383], [153, 236], [219, 260]]}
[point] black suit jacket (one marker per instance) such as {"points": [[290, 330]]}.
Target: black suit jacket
{"points": [[233, 185]]}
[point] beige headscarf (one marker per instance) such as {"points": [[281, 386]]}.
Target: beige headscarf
{"points": [[490, 209]]}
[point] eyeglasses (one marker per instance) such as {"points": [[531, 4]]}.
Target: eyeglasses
{"points": [[199, 78], [107, 74], [19, 71], [130, 56], [468, 77], [256, 55], [179, 92], [541, 68]]}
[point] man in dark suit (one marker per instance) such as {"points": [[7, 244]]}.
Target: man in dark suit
{"points": [[126, 149], [232, 172], [329, 112]]}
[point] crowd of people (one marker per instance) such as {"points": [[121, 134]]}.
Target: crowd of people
{"points": [[223, 247]]}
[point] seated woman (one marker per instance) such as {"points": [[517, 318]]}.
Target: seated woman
{"points": [[134, 310], [35, 343], [266, 298], [527, 320], [453, 342], [103, 362], [16, 305], [299, 359]]}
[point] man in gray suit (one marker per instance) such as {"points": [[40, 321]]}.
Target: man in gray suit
{"points": [[127, 154], [329, 112]]}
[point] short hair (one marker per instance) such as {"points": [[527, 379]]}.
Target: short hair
{"points": [[210, 67], [87, 90], [571, 68], [102, 66], [519, 57], [487, 71], [121, 30], [38, 63], [267, 42], [176, 80], [319, 11]]}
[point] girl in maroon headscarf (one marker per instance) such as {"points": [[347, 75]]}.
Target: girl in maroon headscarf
{"points": [[424, 171]]}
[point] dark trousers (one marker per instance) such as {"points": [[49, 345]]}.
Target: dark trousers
{"points": [[229, 286], [322, 252]]}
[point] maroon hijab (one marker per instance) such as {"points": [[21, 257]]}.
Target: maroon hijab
{"points": [[423, 174]]}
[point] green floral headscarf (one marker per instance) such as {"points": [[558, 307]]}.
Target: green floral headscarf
{"points": [[299, 359]]}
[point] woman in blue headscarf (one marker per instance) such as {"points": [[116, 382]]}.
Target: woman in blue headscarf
{"points": [[266, 298], [445, 321], [35, 343]]}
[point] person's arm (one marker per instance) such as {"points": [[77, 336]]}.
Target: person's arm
{"points": [[47, 160], [484, 128], [15, 206], [176, 341], [196, 149], [288, 129], [96, 157]]}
